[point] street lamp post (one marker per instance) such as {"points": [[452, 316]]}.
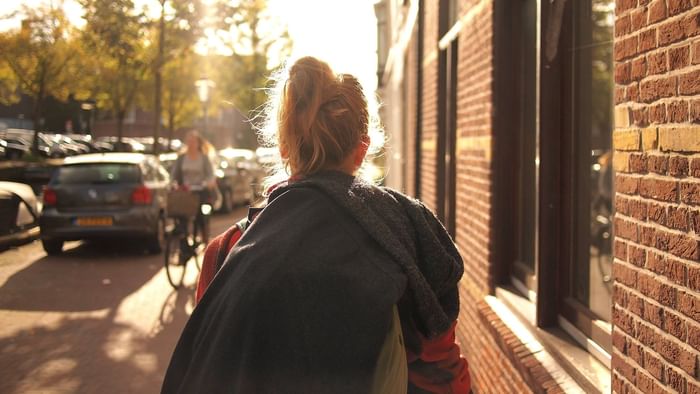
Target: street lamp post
{"points": [[203, 86]]}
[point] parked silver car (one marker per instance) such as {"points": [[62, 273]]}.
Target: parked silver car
{"points": [[19, 214], [106, 195]]}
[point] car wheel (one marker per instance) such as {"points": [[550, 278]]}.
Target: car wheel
{"points": [[227, 203], [157, 240], [52, 246]]}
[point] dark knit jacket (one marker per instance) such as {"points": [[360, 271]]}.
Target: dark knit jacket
{"points": [[303, 302]]}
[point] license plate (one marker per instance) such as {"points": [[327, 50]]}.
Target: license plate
{"points": [[94, 221]]}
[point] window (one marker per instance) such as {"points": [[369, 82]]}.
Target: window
{"points": [[447, 122], [557, 175], [588, 283]]}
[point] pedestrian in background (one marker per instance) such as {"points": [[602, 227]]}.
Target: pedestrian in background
{"points": [[337, 285], [193, 171]]}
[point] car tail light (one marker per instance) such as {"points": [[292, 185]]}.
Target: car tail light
{"points": [[142, 195], [50, 198]]}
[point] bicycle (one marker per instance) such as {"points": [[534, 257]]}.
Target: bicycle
{"points": [[186, 208]]}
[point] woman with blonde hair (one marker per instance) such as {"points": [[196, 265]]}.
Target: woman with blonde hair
{"points": [[337, 285]]}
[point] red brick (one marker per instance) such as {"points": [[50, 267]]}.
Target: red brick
{"points": [[679, 57], [696, 53], [624, 275], [693, 335], [692, 24], [671, 32], [657, 113], [678, 112], [624, 5], [620, 250], [623, 73], [637, 209], [625, 48], [621, 205], [645, 383], [690, 192], [695, 111], [637, 256], [689, 83], [657, 62], [626, 229], [678, 218], [657, 11], [626, 184], [694, 221], [623, 26], [640, 117], [619, 295], [647, 40], [659, 189], [681, 245], [678, 166], [675, 325], [636, 352], [638, 163], [623, 368], [689, 305], [638, 17], [619, 341], [654, 366], [647, 236], [654, 89], [675, 380], [657, 213], [654, 314], [675, 7], [694, 278], [633, 92], [639, 68], [694, 387]]}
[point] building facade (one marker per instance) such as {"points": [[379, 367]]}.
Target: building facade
{"points": [[559, 143]]}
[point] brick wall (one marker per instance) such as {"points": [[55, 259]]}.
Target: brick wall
{"points": [[428, 163], [491, 369], [656, 310]]}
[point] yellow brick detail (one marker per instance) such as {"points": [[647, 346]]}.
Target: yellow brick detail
{"points": [[622, 117], [429, 144], [679, 139], [482, 143], [650, 138], [621, 161], [626, 140]]}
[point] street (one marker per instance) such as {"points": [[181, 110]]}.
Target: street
{"points": [[100, 318]]}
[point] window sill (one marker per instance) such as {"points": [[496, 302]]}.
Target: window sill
{"points": [[561, 355]]}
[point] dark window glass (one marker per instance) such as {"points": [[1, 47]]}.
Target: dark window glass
{"points": [[526, 179], [590, 282], [97, 174]]}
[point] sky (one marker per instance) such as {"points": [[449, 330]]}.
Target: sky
{"points": [[341, 32]]}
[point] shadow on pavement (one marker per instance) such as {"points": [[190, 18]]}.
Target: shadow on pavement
{"points": [[88, 277], [93, 355]]}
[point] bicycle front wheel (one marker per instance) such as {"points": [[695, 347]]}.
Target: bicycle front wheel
{"points": [[175, 260]]}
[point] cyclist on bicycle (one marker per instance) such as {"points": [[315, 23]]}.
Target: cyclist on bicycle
{"points": [[193, 171]]}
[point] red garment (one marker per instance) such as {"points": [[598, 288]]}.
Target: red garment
{"points": [[209, 263], [439, 356]]}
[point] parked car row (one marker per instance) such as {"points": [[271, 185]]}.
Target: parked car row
{"points": [[16, 143]]}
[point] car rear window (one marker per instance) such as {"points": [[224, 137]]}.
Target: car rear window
{"points": [[98, 173]]}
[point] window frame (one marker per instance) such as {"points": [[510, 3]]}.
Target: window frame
{"points": [[549, 287]]}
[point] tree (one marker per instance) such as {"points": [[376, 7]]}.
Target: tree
{"points": [[177, 33], [37, 60], [181, 105], [114, 36], [256, 41]]}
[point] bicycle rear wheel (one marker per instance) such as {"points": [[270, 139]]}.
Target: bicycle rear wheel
{"points": [[175, 260]]}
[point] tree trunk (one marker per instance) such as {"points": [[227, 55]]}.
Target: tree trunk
{"points": [[120, 126], [159, 79]]}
